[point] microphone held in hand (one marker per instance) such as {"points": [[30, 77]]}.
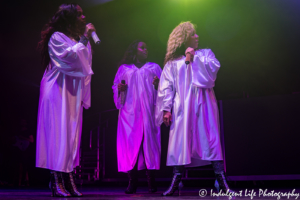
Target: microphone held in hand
{"points": [[94, 35], [188, 58], [95, 38]]}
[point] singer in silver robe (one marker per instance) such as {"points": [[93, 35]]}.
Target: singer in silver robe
{"points": [[187, 102], [138, 138], [187, 91], [64, 91]]}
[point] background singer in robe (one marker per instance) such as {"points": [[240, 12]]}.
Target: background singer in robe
{"points": [[138, 139]]}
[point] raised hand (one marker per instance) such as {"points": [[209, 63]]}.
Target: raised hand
{"points": [[190, 50], [167, 118], [89, 28], [155, 82]]}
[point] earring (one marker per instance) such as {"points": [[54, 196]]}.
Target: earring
{"points": [[133, 58]]}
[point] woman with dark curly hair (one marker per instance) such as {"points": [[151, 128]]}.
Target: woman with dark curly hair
{"points": [[138, 139], [64, 91]]}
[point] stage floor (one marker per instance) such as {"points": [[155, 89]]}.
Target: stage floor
{"points": [[118, 193]]}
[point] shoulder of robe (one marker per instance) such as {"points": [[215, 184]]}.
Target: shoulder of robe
{"points": [[157, 66], [205, 52], [170, 63], [152, 64], [176, 61], [126, 66], [58, 35]]}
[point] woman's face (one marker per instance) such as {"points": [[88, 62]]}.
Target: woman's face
{"points": [[142, 52], [192, 41], [81, 20]]}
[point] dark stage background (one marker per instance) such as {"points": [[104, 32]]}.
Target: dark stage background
{"points": [[257, 43]]}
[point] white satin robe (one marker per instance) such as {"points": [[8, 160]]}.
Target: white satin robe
{"points": [[138, 138], [187, 91], [64, 91]]}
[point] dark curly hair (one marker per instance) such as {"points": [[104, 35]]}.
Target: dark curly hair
{"points": [[65, 21], [130, 53]]}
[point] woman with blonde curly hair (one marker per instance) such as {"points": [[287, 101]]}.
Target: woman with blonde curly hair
{"points": [[186, 102]]}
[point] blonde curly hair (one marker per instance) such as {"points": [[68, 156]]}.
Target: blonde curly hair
{"points": [[177, 38]]}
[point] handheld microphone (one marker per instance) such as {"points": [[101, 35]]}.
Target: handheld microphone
{"points": [[95, 38], [188, 58]]}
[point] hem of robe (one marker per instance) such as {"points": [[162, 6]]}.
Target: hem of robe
{"points": [[58, 170], [151, 168], [141, 162], [195, 162]]}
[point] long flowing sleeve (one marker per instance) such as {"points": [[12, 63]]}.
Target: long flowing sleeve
{"points": [[117, 80], [165, 93], [204, 69], [158, 71], [86, 92], [73, 60]]}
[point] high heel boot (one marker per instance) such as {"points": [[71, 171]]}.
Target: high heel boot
{"points": [[151, 181], [133, 181], [57, 185], [70, 185], [176, 183], [221, 182]]}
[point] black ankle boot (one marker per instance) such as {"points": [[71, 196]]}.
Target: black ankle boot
{"points": [[175, 185], [151, 181], [70, 185], [57, 185], [221, 183], [133, 181]]}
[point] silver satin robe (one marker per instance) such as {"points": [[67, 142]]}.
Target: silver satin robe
{"points": [[138, 138], [187, 91], [64, 91]]}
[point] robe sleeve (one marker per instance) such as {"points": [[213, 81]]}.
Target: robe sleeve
{"points": [[117, 80], [165, 93], [158, 71], [69, 59], [86, 92], [205, 69]]}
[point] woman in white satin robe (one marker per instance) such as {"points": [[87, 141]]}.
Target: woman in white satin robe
{"points": [[186, 102], [138, 138], [64, 91]]}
